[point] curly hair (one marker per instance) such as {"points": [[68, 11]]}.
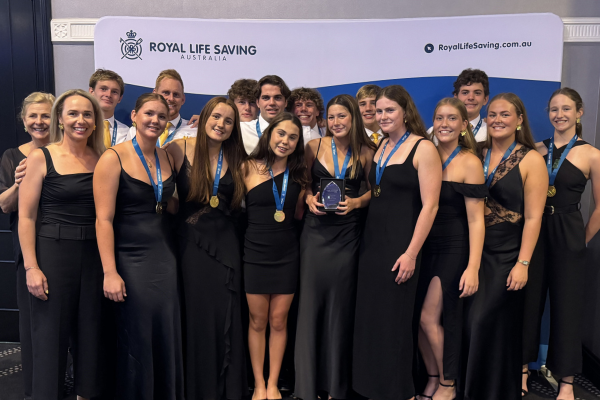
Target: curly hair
{"points": [[470, 76], [306, 94], [242, 89]]}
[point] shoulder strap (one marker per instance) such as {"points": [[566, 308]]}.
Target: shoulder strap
{"points": [[546, 142], [119, 157], [169, 159], [414, 149], [49, 163], [318, 148]]}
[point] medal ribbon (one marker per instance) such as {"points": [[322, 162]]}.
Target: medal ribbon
{"points": [[552, 172], [336, 167], [449, 160], [218, 173], [380, 168], [280, 201], [158, 187], [486, 164], [258, 132], [113, 140], [477, 127], [171, 135]]}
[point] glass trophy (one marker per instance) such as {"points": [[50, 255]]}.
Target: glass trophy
{"points": [[332, 193]]}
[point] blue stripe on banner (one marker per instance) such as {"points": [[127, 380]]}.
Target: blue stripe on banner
{"points": [[426, 92]]}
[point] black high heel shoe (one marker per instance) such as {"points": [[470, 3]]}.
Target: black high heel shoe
{"points": [[424, 395], [566, 383], [449, 386], [523, 391]]}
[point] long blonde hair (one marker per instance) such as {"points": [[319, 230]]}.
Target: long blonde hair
{"points": [[466, 142], [96, 139]]}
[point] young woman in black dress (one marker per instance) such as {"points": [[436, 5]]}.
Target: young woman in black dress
{"points": [[329, 254], [133, 188], [517, 182], [211, 188], [275, 176], [62, 263], [35, 114], [560, 251], [452, 251], [405, 187]]}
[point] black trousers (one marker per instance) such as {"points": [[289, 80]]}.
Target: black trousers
{"points": [[71, 317], [24, 327]]}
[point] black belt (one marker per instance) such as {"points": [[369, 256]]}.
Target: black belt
{"points": [[551, 210], [69, 232]]}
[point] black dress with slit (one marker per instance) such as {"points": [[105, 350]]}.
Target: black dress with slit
{"points": [[383, 328], [446, 256], [271, 248], [329, 247], [495, 321], [211, 268], [558, 264], [149, 356]]}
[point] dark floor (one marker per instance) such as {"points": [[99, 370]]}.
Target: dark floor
{"points": [[11, 380]]}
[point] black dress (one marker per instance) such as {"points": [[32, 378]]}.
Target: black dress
{"points": [[67, 253], [271, 256], [559, 264], [329, 247], [493, 368], [211, 267], [383, 329], [149, 358], [10, 160], [446, 255]]}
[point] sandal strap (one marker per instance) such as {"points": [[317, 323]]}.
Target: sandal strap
{"points": [[561, 381], [424, 395], [452, 385], [432, 376]]}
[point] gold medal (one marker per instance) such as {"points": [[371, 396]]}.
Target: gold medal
{"points": [[377, 191], [159, 208], [279, 216], [551, 191], [214, 202]]}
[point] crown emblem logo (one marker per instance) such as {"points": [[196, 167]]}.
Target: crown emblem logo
{"points": [[131, 34], [131, 48]]}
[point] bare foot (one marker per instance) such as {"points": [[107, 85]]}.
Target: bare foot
{"points": [[565, 389], [260, 393], [524, 388], [447, 392], [273, 392]]}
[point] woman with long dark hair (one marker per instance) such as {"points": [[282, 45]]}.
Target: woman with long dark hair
{"points": [[329, 254], [275, 177], [405, 180], [517, 184], [211, 188], [560, 252], [452, 251], [61, 258]]}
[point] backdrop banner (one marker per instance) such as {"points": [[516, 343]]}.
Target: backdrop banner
{"points": [[520, 53]]}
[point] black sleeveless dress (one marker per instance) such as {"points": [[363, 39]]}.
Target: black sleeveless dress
{"points": [[329, 247], [496, 317], [383, 329], [559, 261], [271, 256], [149, 358], [446, 255], [211, 268], [67, 253]]}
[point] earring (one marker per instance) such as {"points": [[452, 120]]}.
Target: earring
{"points": [[133, 124], [94, 127], [405, 120], [61, 127], [518, 127], [578, 121], [463, 133], [25, 129]]}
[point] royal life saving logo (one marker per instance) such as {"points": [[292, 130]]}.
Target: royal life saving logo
{"points": [[131, 48]]}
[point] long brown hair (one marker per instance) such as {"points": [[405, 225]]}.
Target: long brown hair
{"points": [[523, 135], [201, 178], [295, 161], [358, 135], [466, 142], [573, 95], [414, 123]]}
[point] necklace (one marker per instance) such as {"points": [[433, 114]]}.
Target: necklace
{"points": [[149, 162]]}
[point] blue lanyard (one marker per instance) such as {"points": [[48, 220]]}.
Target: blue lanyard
{"points": [[171, 135], [258, 132], [336, 167], [158, 186], [380, 168], [552, 172], [280, 201], [218, 173], [486, 164], [449, 160], [113, 141], [477, 127]]}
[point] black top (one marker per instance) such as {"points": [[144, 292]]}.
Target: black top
{"points": [[67, 199], [570, 181]]}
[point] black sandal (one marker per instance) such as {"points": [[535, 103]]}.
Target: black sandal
{"points": [[565, 382], [523, 391], [424, 395]]}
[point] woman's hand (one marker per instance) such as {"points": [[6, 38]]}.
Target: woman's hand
{"points": [[469, 282], [347, 205], [37, 284], [517, 279], [313, 203], [20, 171], [114, 287], [406, 268]]}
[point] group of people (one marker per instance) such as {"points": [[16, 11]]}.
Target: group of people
{"points": [[137, 248]]}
